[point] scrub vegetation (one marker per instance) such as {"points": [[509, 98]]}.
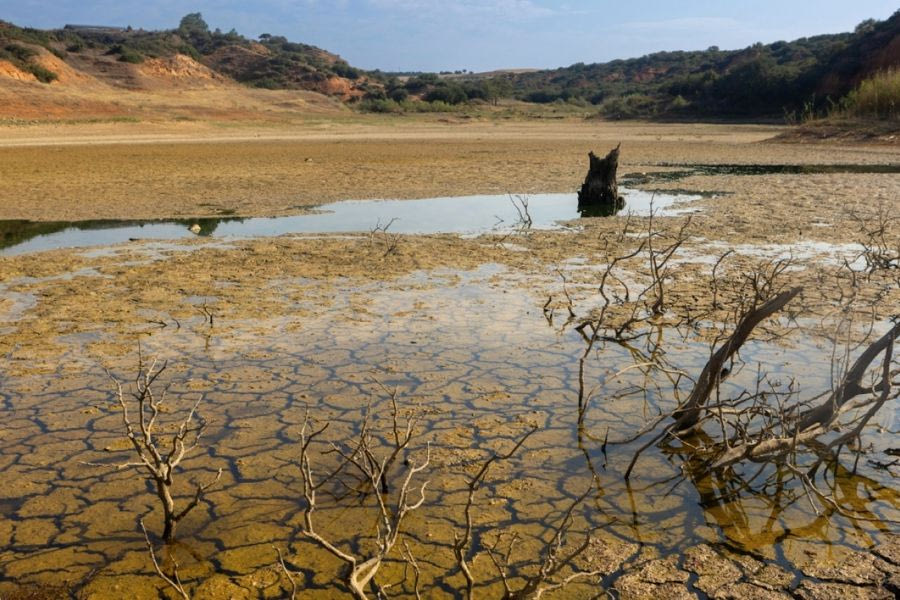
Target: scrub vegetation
{"points": [[795, 80]]}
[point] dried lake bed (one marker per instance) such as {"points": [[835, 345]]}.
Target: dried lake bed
{"points": [[475, 334]]}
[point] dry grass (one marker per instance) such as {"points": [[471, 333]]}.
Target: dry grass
{"points": [[876, 98]]}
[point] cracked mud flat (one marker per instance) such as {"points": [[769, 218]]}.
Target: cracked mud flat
{"points": [[457, 325]]}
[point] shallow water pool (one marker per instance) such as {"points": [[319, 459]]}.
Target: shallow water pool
{"points": [[467, 215]]}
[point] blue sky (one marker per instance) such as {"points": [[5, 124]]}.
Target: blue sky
{"points": [[479, 35]]}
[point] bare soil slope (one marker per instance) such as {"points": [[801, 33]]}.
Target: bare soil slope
{"points": [[93, 86]]}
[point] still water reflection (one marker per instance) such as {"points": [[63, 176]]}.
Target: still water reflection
{"points": [[468, 215]]}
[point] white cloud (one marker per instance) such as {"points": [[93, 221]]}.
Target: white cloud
{"points": [[509, 9], [689, 33], [682, 25]]}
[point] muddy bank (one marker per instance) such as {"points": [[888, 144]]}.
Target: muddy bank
{"points": [[132, 171], [838, 131]]}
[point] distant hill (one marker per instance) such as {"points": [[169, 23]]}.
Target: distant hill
{"points": [[761, 80], [793, 80], [128, 58]]}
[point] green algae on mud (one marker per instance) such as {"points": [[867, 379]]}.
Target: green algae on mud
{"points": [[680, 170], [479, 361]]}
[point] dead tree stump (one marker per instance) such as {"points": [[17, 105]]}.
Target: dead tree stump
{"points": [[599, 195]]}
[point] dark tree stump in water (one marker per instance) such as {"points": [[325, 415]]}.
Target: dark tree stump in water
{"points": [[599, 193]]}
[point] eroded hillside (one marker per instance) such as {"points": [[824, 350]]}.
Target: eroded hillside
{"points": [[87, 72]]}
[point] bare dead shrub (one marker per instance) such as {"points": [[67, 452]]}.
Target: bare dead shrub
{"points": [[159, 456], [387, 240], [370, 467], [772, 423]]}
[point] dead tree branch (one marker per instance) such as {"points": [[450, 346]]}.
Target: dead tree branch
{"points": [[658, 259], [287, 573], [462, 543], [880, 251], [361, 570], [817, 421], [554, 559], [520, 203], [389, 240], [688, 415], [556, 556]]}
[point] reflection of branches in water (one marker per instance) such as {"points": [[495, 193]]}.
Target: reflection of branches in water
{"points": [[556, 556], [880, 250], [659, 378], [549, 311], [462, 543], [734, 494], [727, 497], [555, 568], [762, 424]]}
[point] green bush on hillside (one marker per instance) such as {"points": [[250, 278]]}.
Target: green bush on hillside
{"points": [[342, 69], [19, 53], [388, 106], [762, 80], [629, 107], [131, 56], [126, 54], [43, 75], [266, 83], [451, 93], [380, 105], [398, 94]]}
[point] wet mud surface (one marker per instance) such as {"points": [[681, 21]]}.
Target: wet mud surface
{"points": [[475, 335], [474, 354]]}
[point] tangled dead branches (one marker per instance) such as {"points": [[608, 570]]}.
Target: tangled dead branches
{"points": [[362, 458]]}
